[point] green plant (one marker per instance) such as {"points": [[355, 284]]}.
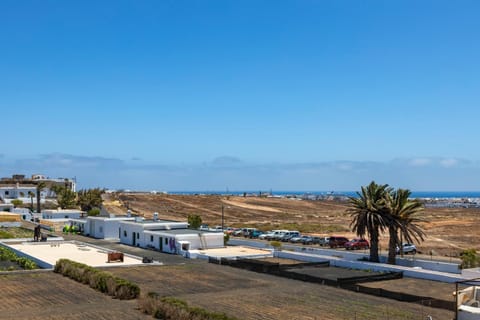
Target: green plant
{"points": [[17, 203], [470, 259], [171, 308], [99, 280], [194, 221], [226, 237], [277, 245], [93, 212]]}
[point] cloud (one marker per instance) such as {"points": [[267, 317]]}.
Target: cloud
{"points": [[225, 161], [419, 162], [448, 163], [422, 173]]}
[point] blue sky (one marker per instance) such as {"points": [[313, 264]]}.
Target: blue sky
{"points": [[209, 95]]}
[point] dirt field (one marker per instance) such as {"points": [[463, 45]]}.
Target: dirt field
{"points": [[46, 295], [449, 230], [249, 295]]}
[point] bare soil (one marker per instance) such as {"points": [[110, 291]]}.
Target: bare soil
{"points": [[249, 295], [449, 230], [46, 295]]}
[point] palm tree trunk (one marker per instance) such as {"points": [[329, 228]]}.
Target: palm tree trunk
{"points": [[374, 247], [392, 245], [38, 201]]}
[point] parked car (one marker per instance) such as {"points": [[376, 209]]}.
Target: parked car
{"points": [[324, 241], [408, 248], [239, 232], [288, 235], [356, 244], [296, 239], [335, 242], [307, 240], [316, 240], [204, 227], [266, 235], [248, 231], [255, 234], [277, 234]]}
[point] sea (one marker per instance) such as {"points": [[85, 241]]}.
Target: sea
{"points": [[415, 194]]}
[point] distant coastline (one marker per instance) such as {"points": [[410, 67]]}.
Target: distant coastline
{"points": [[415, 194]]}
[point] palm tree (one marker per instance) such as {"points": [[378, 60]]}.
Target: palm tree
{"points": [[40, 186], [369, 214], [404, 215], [31, 195]]}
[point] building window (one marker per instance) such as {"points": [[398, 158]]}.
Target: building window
{"points": [[124, 233], [101, 229], [166, 240], [151, 238], [6, 193], [138, 235]]}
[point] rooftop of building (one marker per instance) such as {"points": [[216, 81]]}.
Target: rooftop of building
{"points": [[181, 231]]}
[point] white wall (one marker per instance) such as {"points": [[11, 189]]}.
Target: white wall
{"points": [[126, 233], [61, 214], [203, 240]]}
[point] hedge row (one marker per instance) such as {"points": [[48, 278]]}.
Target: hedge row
{"points": [[8, 255], [170, 308], [102, 281]]}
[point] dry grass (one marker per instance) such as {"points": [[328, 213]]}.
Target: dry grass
{"points": [[449, 230]]}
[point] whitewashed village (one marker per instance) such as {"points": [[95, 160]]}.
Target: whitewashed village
{"points": [[61, 231]]}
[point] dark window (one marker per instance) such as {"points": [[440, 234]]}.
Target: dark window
{"points": [[151, 238], [124, 233], [138, 235], [166, 240]]}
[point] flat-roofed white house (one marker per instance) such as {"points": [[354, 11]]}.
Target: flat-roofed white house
{"points": [[62, 214], [104, 227], [183, 240], [167, 236]]}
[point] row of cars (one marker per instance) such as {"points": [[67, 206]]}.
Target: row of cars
{"points": [[296, 237]]}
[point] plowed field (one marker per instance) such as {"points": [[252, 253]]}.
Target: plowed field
{"points": [[46, 295], [249, 295]]}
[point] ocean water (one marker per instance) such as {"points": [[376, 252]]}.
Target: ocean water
{"points": [[415, 194]]}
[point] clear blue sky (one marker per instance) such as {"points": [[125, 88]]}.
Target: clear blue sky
{"points": [[204, 95]]}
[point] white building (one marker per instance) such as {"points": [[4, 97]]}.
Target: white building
{"points": [[62, 214], [104, 227], [9, 192], [167, 236]]}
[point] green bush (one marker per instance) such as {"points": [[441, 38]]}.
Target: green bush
{"points": [[99, 280], [170, 308], [8, 255], [470, 259]]}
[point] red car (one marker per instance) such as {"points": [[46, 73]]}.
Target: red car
{"points": [[357, 243]]}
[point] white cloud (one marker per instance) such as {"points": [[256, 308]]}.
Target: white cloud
{"points": [[448, 163], [419, 162]]}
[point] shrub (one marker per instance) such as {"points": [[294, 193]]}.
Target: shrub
{"points": [[99, 280], [470, 259], [171, 308], [277, 245], [8, 255]]}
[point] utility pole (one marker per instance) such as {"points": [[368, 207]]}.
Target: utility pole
{"points": [[222, 217]]}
